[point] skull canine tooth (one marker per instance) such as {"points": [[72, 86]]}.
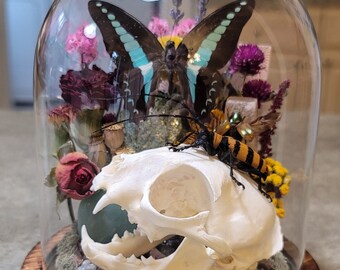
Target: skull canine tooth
{"points": [[104, 201], [116, 237]]}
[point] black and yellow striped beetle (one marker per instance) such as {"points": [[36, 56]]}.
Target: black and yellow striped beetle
{"points": [[228, 149], [222, 140]]}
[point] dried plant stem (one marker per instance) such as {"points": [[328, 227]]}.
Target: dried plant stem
{"points": [[70, 209]]}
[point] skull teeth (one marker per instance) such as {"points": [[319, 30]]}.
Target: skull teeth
{"points": [[147, 261], [127, 235], [133, 260]]}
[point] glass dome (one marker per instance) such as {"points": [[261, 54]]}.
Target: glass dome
{"points": [[175, 134]]}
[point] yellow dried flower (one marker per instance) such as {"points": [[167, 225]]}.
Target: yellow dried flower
{"points": [[274, 201], [276, 180], [269, 169], [270, 161], [280, 212], [278, 163], [280, 170], [284, 189]]}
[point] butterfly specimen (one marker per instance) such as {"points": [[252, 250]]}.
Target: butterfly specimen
{"points": [[191, 69]]}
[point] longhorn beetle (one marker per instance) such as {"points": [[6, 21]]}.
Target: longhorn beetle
{"points": [[229, 150]]}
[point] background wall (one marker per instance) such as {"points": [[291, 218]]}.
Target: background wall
{"points": [[327, 24], [4, 94]]}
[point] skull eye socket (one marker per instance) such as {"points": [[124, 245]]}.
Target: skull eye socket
{"points": [[181, 192]]}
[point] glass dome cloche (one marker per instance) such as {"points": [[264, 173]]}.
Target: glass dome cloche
{"points": [[175, 134]]}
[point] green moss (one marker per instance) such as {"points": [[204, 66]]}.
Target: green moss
{"points": [[68, 255]]}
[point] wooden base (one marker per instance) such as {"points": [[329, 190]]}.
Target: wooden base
{"points": [[34, 261]]}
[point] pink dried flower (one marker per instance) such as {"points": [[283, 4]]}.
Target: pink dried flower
{"points": [[61, 115], [74, 174], [159, 27], [184, 27], [86, 47], [247, 59]]}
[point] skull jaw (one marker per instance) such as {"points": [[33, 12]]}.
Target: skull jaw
{"points": [[215, 228]]}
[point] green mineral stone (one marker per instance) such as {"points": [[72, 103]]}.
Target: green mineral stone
{"points": [[102, 226]]}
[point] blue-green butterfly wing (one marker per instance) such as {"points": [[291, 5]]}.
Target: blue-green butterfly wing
{"points": [[128, 38], [215, 38], [211, 44]]}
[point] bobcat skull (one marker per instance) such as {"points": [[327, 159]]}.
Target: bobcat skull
{"points": [[189, 194]]}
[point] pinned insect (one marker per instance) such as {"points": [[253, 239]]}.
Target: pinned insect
{"points": [[191, 69], [228, 148], [221, 137]]}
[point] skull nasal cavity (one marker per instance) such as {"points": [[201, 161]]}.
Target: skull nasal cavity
{"points": [[181, 192]]}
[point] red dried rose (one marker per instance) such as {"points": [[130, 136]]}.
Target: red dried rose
{"points": [[74, 174]]}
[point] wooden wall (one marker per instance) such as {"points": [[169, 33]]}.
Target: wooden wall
{"points": [[326, 18]]}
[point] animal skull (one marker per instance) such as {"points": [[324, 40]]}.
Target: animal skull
{"points": [[189, 194]]}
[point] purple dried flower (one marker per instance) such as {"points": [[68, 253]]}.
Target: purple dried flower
{"points": [[202, 9], [257, 89], [175, 13], [266, 143], [278, 99], [88, 88], [266, 136], [247, 59]]}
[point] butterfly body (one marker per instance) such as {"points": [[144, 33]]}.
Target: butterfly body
{"points": [[191, 69]]}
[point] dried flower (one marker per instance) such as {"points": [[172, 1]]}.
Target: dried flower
{"points": [[74, 174], [284, 189], [247, 59], [184, 27], [278, 99], [257, 89], [61, 115], [85, 46], [159, 27], [175, 13], [88, 88], [202, 9], [109, 118], [266, 137], [280, 212]]}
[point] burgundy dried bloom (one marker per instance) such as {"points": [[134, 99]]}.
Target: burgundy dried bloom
{"points": [[247, 59], [257, 89], [108, 118], [88, 88]]}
